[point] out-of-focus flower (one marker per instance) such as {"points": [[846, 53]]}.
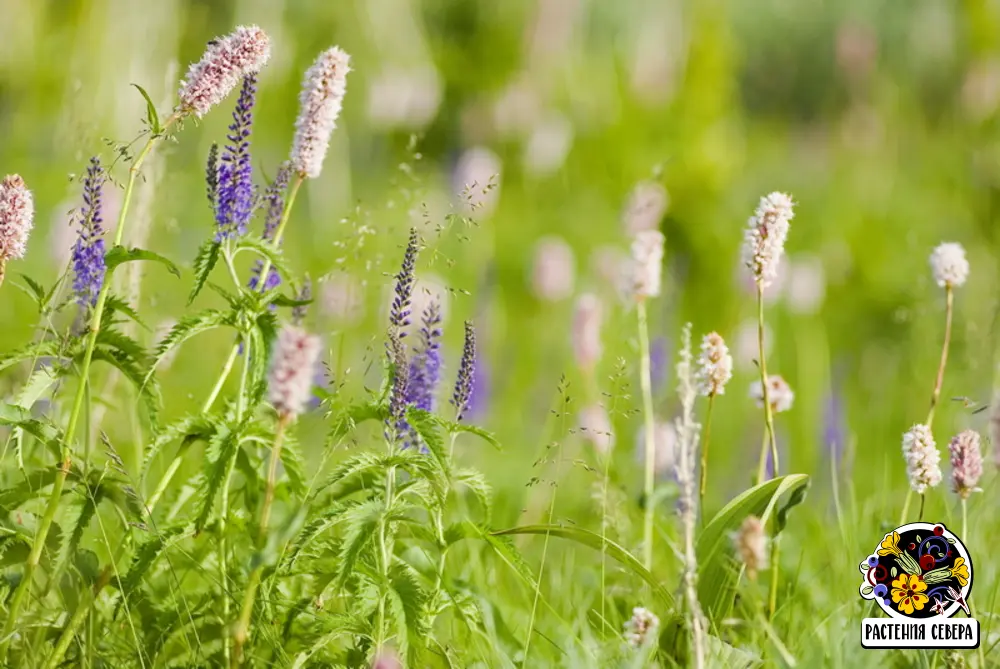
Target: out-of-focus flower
{"points": [[647, 264], [587, 318], [476, 182], [613, 266], [642, 626], [387, 659], [225, 62], [341, 298], [779, 393], [922, 458], [517, 109], [320, 101], [715, 365], [234, 190], [981, 89], [548, 145], [645, 207], [857, 49], [805, 289], [949, 265], [293, 365], [552, 272], [404, 97], [665, 458], [966, 463], [88, 252], [595, 428], [764, 239], [751, 546]]}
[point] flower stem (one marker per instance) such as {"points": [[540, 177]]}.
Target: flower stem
{"points": [[920, 515], [906, 506], [649, 483], [246, 611], [65, 456], [704, 455], [775, 569], [385, 551], [939, 380], [768, 415]]}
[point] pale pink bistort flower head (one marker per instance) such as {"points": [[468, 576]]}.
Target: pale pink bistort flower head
{"points": [[226, 61], [320, 101], [289, 383]]}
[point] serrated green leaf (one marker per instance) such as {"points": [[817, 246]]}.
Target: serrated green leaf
{"points": [[348, 419], [117, 304], [407, 606], [41, 428], [151, 116], [119, 254], [188, 327], [48, 348], [204, 263], [37, 385], [478, 486], [361, 523], [131, 369], [33, 289], [226, 445], [145, 556]]}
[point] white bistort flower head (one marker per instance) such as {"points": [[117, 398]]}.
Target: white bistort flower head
{"points": [[647, 264], [764, 240], [322, 96], [641, 626], [17, 211], [715, 365], [949, 265], [779, 393], [289, 383], [922, 458], [226, 61], [751, 545]]}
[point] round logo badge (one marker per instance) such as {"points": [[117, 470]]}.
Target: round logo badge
{"points": [[919, 570]]}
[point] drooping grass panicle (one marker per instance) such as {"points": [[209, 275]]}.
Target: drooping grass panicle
{"points": [[764, 239], [88, 251], [466, 378], [949, 265], [715, 365], [966, 463], [647, 264], [320, 101], [274, 200], [425, 364], [17, 211], [641, 626], [293, 362], [587, 319], [399, 311], [779, 393], [750, 542], [225, 62], [234, 192], [922, 458]]}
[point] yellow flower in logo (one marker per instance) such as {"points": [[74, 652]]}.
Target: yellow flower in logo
{"points": [[960, 570], [889, 545], [908, 592]]}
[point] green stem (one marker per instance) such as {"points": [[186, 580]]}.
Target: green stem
{"points": [[385, 552], [649, 482], [768, 415], [965, 520], [65, 456], [704, 455], [923, 498], [906, 506], [939, 379], [246, 611], [772, 600]]}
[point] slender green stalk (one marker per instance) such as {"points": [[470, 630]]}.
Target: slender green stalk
{"points": [[243, 624], [65, 457], [906, 507], [704, 455], [82, 610], [772, 600], [939, 380], [768, 414], [965, 520], [923, 498], [385, 550], [649, 482]]}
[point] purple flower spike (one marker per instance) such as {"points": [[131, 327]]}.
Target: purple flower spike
{"points": [[425, 365], [88, 252], [465, 383], [274, 197], [399, 313], [234, 198]]}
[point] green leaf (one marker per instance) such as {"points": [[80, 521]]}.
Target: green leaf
{"points": [[472, 429], [425, 425], [226, 444], [37, 385], [478, 486], [188, 327], [134, 371], [41, 428], [204, 263], [47, 348], [33, 289], [348, 419], [117, 304], [189, 428], [145, 556], [407, 605], [717, 569], [361, 523], [282, 300], [597, 542], [119, 254], [291, 458], [151, 116]]}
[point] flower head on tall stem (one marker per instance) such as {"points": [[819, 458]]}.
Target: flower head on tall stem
{"points": [[322, 95], [715, 365], [779, 393], [966, 463], [17, 211], [226, 61], [764, 240], [293, 362], [949, 265], [647, 264], [587, 318], [234, 190], [466, 379], [922, 458], [88, 252], [751, 546]]}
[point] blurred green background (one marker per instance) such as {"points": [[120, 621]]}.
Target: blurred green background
{"points": [[879, 117]]}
